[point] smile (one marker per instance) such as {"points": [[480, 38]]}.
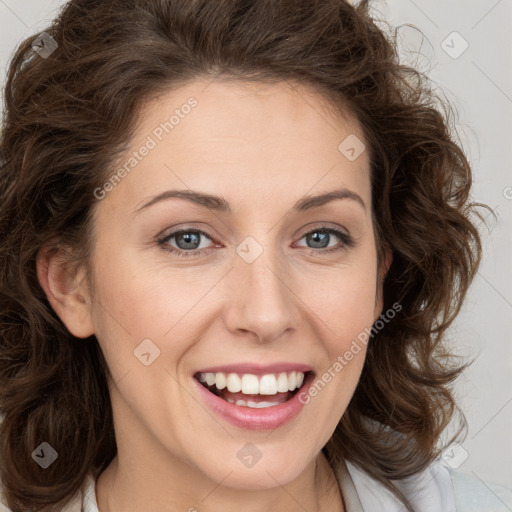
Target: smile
{"points": [[249, 390], [255, 400]]}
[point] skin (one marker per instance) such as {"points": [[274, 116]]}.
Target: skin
{"points": [[261, 147]]}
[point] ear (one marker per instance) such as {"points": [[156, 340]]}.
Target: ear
{"points": [[66, 289], [385, 264], [381, 275]]}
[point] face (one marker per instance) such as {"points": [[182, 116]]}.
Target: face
{"points": [[235, 290]]}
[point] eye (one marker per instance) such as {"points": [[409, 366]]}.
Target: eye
{"points": [[320, 238], [185, 239]]}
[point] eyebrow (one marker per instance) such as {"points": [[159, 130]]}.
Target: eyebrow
{"points": [[219, 204]]}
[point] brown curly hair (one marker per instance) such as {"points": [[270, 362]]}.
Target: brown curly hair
{"points": [[67, 118]]}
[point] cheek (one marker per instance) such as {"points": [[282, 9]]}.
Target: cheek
{"points": [[346, 303], [136, 296], [133, 304], [346, 314]]}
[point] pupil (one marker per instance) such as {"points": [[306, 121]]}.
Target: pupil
{"points": [[319, 235]]}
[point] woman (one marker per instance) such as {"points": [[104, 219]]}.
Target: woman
{"points": [[233, 237]]}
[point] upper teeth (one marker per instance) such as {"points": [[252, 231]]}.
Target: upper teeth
{"points": [[250, 384]]}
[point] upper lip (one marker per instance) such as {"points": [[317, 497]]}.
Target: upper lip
{"points": [[257, 369]]}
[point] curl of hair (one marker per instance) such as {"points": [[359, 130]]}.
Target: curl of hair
{"points": [[69, 116]]}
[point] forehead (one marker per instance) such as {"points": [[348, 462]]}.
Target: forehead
{"points": [[244, 138]]}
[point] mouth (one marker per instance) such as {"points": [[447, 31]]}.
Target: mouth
{"points": [[250, 390]]}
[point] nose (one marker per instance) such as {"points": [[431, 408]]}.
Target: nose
{"points": [[262, 302]]}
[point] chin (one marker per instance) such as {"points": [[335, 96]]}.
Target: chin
{"points": [[274, 467]]}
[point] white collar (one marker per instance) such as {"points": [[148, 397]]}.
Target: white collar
{"points": [[428, 491]]}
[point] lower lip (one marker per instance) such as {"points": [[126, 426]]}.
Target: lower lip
{"points": [[250, 418]]}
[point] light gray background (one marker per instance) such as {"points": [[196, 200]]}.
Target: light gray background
{"points": [[479, 83]]}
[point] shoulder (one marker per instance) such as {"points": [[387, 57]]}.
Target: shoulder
{"points": [[3, 508], [472, 494], [438, 488]]}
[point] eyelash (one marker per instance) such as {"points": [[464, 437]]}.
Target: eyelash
{"points": [[346, 241]]}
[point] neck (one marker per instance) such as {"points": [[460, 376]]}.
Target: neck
{"points": [[134, 488]]}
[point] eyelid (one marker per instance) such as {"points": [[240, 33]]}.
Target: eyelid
{"points": [[347, 240], [324, 226], [172, 234]]}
